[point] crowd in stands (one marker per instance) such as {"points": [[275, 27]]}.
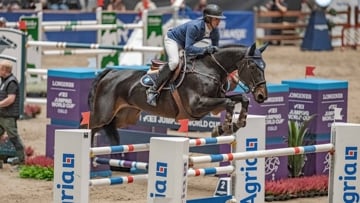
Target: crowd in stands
{"points": [[111, 5]]}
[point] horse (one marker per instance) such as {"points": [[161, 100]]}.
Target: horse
{"points": [[117, 97]]}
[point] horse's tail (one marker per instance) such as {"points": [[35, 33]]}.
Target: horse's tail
{"points": [[94, 86]]}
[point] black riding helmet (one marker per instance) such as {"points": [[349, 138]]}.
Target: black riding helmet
{"points": [[212, 11]]}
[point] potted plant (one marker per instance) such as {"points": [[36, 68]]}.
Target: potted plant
{"points": [[297, 132]]}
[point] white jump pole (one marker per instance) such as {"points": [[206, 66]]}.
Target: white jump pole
{"points": [[64, 45], [58, 28], [168, 166], [71, 165]]}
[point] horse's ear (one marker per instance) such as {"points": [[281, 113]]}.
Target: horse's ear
{"points": [[263, 47], [251, 50]]}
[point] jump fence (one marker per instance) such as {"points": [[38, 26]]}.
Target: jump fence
{"points": [[169, 159]]}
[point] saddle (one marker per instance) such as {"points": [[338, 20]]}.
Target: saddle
{"points": [[175, 80], [172, 84]]}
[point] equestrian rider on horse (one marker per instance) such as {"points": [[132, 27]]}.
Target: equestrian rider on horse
{"points": [[184, 37]]}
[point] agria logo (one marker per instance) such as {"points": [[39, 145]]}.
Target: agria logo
{"points": [[252, 185], [67, 178], [349, 178], [160, 180]]}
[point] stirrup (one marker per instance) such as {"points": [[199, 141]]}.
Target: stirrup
{"points": [[151, 96]]}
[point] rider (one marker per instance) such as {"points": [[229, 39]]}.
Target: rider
{"points": [[184, 37]]}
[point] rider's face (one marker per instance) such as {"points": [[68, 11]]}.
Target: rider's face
{"points": [[215, 22]]}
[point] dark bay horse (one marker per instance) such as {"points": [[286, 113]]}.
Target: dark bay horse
{"points": [[117, 97]]}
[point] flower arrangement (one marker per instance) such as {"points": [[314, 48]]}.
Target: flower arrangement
{"points": [[300, 187], [37, 167]]}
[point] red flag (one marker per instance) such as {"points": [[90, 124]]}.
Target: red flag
{"points": [[22, 25], [100, 3], [309, 71], [184, 125], [85, 118], [146, 4]]}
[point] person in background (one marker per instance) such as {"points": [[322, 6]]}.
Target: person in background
{"points": [[2, 22], [277, 5], [200, 6], [10, 5], [185, 37], [73, 4], [57, 5], [31, 4], [184, 9], [10, 108], [144, 4], [116, 5]]}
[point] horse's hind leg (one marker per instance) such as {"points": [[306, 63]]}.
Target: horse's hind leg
{"points": [[112, 133]]}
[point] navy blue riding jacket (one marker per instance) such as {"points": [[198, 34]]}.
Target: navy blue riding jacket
{"points": [[187, 34]]}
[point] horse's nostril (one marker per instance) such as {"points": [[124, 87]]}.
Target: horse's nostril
{"points": [[261, 98]]}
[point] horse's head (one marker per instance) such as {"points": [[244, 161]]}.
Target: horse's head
{"points": [[251, 73]]}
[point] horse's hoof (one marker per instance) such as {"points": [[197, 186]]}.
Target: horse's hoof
{"points": [[215, 132], [242, 124], [227, 129]]}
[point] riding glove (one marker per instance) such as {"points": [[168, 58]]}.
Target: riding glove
{"points": [[211, 49]]}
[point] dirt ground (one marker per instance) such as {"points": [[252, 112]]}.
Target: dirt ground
{"points": [[282, 63]]}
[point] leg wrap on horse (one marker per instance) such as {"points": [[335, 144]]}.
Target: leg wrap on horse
{"points": [[153, 92]]}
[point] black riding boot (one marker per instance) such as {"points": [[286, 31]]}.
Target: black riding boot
{"points": [[152, 92]]}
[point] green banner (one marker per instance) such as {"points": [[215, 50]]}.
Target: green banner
{"points": [[154, 27], [109, 37], [32, 27]]}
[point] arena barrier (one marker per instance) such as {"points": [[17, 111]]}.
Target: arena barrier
{"points": [[169, 160], [64, 45], [105, 24], [70, 160]]}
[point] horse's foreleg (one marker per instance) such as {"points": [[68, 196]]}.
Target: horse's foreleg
{"points": [[241, 122], [228, 126]]}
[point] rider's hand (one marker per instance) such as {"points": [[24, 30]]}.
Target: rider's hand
{"points": [[211, 49]]}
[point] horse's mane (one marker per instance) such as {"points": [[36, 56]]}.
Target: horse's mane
{"points": [[232, 47]]}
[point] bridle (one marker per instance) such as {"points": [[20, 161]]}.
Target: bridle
{"points": [[243, 66]]}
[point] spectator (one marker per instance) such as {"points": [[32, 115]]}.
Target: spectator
{"points": [[116, 5], [185, 36], [10, 108], [73, 4], [144, 4], [2, 22], [10, 5], [58, 5], [31, 4], [183, 8], [277, 5], [200, 6]]}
